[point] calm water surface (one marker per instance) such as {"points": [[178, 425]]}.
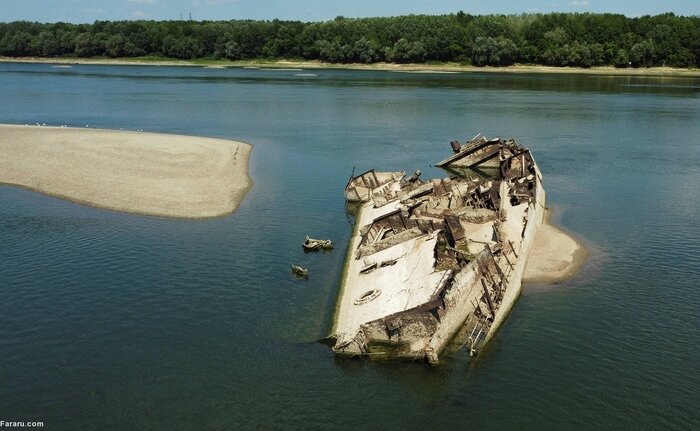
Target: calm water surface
{"points": [[116, 321]]}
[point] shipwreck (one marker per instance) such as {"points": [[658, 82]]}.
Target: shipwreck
{"points": [[311, 244], [432, 259]]}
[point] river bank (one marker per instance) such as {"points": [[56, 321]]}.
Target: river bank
{"points": [[409, 67], [136, 172]]}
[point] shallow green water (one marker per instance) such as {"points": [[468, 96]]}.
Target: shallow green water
{"points": [[115, 321]]}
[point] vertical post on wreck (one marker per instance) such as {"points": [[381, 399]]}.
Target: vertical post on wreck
{"points": [[495, 263], [513, 248], [488, 298], [509, 262]]}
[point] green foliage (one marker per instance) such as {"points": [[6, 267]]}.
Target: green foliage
{"points": [[404, 51], [493, 51], [184, 48], [114, 46], [622, 58], [557, 39], [642, 53], [88, 45], [232, 50]]}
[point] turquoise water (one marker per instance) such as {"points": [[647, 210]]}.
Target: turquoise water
{"points": [[116, 321]]}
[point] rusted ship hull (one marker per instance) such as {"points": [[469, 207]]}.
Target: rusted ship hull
{"points": [[477, 152], [359, 188], [428, 259]]}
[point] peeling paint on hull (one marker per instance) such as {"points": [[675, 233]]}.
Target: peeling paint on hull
{"points": [[430, 258]]}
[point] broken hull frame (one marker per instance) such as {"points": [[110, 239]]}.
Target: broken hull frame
{"points": [[476, 300]]}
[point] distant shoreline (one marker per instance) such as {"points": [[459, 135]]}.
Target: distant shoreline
{"points": [[395, 67], [142, 173]]}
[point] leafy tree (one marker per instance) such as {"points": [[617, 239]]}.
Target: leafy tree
{"points": [[622, 58], [404, 51], [330, 51], [132, 50], [362, 51], [115, 46], [17, 44], [558, 39], [44, 44], [184, 48], [492, 51], [642, 53], [232, 50], [86, 45]]}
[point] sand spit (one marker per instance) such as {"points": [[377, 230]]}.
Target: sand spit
{"points": [[136, 172], [556, 256], [410, 67]]}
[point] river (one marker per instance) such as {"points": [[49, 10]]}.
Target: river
{"points": [[118, 321]]}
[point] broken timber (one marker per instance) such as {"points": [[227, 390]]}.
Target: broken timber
{"points": [[430, 258], [478, 151]]}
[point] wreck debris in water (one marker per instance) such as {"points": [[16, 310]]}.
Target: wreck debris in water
{"points": [[311, 244], [430, 258], [300, 271]]}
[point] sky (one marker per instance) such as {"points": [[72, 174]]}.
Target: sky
{"points": [[87, 11]]}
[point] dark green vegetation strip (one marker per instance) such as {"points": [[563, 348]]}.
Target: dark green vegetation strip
{"points": [[556, 39]]}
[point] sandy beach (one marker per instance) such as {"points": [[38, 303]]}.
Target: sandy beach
{"points": [[446, 67], [556, 256], [137, 172]]}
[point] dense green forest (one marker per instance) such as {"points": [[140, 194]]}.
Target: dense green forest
{"points": [[556, 39]]}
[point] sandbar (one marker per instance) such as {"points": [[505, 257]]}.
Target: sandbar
{"points": [[136, 172], [556, 255], [400, 67]]}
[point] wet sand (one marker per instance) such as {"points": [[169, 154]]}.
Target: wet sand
{"points": [[446, 67], [556, 255], [136, 172]]}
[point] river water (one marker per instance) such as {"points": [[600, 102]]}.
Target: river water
{"points": [[117, 321]]}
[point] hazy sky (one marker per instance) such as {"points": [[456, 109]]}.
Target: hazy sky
{"points": [[80, 11]]}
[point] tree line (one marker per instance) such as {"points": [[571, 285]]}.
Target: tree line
{"points": [[554, 39]]}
